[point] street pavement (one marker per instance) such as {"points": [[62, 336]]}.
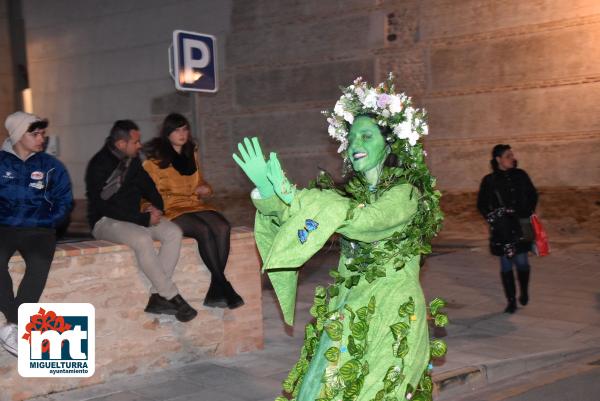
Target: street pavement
{"points": [[485, 346]]}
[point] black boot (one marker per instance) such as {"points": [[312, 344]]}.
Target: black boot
{"points": [[523, 276], [233, 298], [185, 312], [160, 305], [215, 296], [508, 282]]}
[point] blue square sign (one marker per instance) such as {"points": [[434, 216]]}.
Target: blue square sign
{"points": [[194, 61]]}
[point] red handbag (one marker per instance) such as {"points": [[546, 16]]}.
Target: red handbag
{"points": [[541, 247]]}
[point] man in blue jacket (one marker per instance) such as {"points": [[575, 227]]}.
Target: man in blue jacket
{"points": [[35, 197]]}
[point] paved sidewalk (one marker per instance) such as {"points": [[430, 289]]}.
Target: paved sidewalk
{"points": [[563, 315]]}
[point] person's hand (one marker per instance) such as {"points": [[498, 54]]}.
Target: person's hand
{"points": [[203, 191], [252, 161], [153, 209], [281, 185], [155, 215], [155, 218]]}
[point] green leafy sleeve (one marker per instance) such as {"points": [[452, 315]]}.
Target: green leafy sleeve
{"points": [[281, 249], [380, 219]]}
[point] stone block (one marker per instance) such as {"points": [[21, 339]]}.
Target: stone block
{"points": [[254, 14], [541, 56], [293, 85], [290, 43], [409, 68], [449, 18], [286, 132], [513, 114]]}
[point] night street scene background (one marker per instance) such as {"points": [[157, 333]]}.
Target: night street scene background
{"points": [[518, 72]]}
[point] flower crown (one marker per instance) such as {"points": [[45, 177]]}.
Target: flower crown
{"points": [[390, 109]]}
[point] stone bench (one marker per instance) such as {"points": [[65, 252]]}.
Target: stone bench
{"points": [[130, 341]]}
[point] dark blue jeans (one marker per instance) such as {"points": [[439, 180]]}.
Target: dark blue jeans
{"points": [[520, 260]]}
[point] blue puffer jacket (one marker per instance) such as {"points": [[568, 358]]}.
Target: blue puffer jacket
{"points": [[35, 192]]}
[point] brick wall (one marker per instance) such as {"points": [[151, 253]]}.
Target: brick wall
{"points": [[130, 341]]}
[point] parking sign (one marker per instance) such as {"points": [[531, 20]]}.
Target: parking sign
{"points": [[193, 61]]}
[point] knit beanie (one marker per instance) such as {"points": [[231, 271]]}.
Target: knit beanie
{"points": [[18, 123]]}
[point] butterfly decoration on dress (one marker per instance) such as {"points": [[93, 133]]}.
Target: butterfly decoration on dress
{"points": [[309, 225]]}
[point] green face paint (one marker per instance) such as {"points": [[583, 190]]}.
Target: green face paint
{"points": [[366, 145]]}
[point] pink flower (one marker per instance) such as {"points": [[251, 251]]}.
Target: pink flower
{"points": [[383, 100]]}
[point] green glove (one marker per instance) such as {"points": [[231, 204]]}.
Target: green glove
{"points": [[253, 163], [281, 185]]}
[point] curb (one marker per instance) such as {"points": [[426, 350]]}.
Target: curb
{"points": [[472, 378]]}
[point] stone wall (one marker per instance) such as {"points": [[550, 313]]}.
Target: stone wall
{"points": [[285, 61], [130, 341], [6, 69], [518, 72], [488, 71]]}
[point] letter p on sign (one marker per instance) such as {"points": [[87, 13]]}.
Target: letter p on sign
{"points": [[193, 63]]}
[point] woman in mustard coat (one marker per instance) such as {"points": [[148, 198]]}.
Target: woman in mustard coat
{"points": [[174, 168]]}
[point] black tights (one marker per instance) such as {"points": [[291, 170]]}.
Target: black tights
{"points": [[211, 231], [36, 246]]}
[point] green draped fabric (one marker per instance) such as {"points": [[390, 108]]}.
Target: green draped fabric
{"points": [[276, 231]]}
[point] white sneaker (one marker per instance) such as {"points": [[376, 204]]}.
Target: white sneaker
{"points": [[8, 338]]}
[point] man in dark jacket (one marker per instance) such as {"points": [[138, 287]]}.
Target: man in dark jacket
{"points": [[35, 197], [116, 183]]}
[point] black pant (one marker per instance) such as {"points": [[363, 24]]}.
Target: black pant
{"points": [[36, 246], [211, 231]]}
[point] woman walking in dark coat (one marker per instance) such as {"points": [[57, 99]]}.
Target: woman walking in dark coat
{"points": [[506, 196]]}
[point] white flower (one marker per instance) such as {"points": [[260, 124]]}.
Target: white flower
{"points": [[413, 137], [409, 113], [403, 130], [339, 108], [348, 117], [360, 93], [425, 128], [395, 104], [386, 113], [371, 99], [331, 130], [343, 146]]}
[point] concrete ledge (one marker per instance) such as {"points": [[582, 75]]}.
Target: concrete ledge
{"points": [[460, 381], [129, 341]]}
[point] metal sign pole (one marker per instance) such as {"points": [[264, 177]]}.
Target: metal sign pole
{"points": [[193, 66], [198, 129]]}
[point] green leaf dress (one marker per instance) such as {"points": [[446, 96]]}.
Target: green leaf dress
{"points": [[369, 340]]}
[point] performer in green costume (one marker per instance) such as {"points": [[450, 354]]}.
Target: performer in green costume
{"points": [[370, 339]]}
